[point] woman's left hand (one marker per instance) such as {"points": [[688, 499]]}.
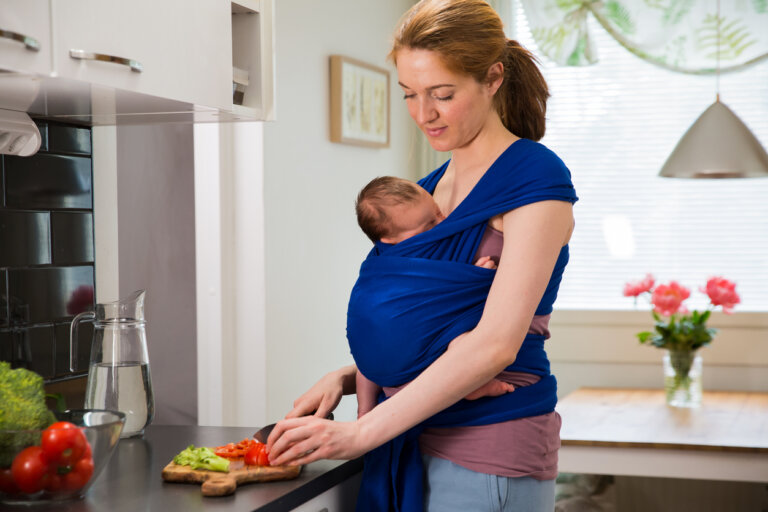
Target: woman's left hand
{"points": [[303, 440]]}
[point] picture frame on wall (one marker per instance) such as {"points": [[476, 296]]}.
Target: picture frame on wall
{"points": [[359, 103]]}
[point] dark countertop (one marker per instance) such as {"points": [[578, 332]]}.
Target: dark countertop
{"points": [[132, 480]]}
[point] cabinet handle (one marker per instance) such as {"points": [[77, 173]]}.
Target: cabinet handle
{"points": [[83, 55], [29, 42]]}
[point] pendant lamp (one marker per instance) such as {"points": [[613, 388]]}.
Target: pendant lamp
{"points": [[718, 144]]}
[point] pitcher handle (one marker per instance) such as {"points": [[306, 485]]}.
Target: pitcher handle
{"points": [[73, 337]]}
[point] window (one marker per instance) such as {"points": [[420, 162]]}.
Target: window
{"points": [[614, 124]]}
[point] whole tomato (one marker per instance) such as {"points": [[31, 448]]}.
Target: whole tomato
{"points": [[7, 485], [55, 482], [63, 443], [30, 469], [79, 475]]}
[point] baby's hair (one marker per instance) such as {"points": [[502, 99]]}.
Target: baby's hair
{"points": [[375, 196]]}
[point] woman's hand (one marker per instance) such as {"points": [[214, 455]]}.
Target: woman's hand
{"points": [[325, 395], [303, 440]]}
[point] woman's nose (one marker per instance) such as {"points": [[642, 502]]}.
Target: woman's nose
{"points": [[425, 112]]}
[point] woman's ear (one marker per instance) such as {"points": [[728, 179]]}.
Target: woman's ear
{"points": [[495, 77]]}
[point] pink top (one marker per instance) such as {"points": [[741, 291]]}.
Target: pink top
{"points": [[515, 448]]}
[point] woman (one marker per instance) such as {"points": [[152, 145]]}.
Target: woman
{"points": [[480, 96]]}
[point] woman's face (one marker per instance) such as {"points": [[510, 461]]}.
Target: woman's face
{"points": [[450, 108]]}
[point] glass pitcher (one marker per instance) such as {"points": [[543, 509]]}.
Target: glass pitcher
{"points": [[118, 375]]}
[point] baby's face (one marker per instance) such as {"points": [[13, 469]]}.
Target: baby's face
{"points": [[409, 219]]}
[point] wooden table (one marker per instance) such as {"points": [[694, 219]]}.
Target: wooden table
{"points": [[633, 432]]}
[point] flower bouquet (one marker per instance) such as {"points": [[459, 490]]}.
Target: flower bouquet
{"points": [[682, 332]]}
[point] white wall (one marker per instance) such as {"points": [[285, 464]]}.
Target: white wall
{"points": [[313, 245]]}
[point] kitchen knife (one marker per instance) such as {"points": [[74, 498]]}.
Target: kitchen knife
{"points": [[263, 434]]}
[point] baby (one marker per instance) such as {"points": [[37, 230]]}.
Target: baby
{"points": [[391, 210]]}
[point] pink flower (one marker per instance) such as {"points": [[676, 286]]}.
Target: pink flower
{"points": [[668, 299], [722, 292], [633, 289]]}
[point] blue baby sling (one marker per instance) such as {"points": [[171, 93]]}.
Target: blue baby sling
{"points": [[413, 298]]}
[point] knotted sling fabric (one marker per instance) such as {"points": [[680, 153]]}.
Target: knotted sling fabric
{"points": [[413, 298]]}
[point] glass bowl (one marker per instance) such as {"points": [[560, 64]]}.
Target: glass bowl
{"points": [[45, 481]]}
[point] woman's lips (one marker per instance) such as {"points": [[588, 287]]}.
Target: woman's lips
{"points": [[435, 132]]}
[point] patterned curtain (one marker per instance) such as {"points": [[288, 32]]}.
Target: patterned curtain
{"points": [[680, 35]]}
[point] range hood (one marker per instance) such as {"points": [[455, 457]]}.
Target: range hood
{"points": [[18, 134]]}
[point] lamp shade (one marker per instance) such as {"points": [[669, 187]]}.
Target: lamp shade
{"points": [[717, 145]]}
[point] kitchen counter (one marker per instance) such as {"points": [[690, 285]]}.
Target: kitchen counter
{"points": [[132, 480]]}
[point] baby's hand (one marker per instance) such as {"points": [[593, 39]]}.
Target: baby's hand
{"points": [[367, 394], [494, 387], [485, 262]]}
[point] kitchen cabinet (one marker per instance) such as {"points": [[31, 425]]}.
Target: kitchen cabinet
{"points": [[99, 61], [25, 27], [170, 49]]}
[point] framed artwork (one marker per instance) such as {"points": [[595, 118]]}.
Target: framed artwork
{"points": [[359, 103]]}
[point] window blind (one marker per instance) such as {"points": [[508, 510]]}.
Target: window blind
{"points": [[614, 124]]}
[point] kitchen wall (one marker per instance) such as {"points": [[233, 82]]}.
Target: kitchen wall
{"points": [[144, 223], [313, 244], [156, 219]]}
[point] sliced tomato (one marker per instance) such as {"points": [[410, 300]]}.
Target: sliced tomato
{"points": [[235, 450], [263, 456], [252, 456], [257, 455]]}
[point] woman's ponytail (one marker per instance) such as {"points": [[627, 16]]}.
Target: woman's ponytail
{"points": [[522, 98]]}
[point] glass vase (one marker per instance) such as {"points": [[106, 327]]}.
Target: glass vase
{"points": [[682, 378]]}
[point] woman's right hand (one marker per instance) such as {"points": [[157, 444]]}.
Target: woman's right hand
{"points": [[323, 397]]}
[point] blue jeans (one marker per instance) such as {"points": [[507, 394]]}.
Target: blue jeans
{"points": [[449, 487]]}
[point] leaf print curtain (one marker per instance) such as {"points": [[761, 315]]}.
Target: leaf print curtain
{"points": [[679, 35]]}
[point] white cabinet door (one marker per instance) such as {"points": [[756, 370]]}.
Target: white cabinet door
{"points": [[174, 49], [25, 44]]}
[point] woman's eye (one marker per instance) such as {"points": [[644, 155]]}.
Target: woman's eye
{"points": [[409, 96], [444, 98]]}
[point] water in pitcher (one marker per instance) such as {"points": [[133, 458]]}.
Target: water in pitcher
{"points": [[124, 387]]}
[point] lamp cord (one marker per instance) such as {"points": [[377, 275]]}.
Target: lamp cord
{"points": [[717, 66]]}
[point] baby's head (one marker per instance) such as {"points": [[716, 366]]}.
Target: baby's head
{"points": [[391, 209]]}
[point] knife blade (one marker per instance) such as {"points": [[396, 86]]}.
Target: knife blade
{"points": [[263, 434]]}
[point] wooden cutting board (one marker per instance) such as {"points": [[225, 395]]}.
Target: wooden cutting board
{"points": [[216, 483]]}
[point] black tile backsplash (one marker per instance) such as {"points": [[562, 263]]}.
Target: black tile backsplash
{"points": [[48, 181], [47, 251], [25, 238], [3, 301], [72, 237], [43, 129], [33, 349], [6, 345], [47, 294], [69, 139]]}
